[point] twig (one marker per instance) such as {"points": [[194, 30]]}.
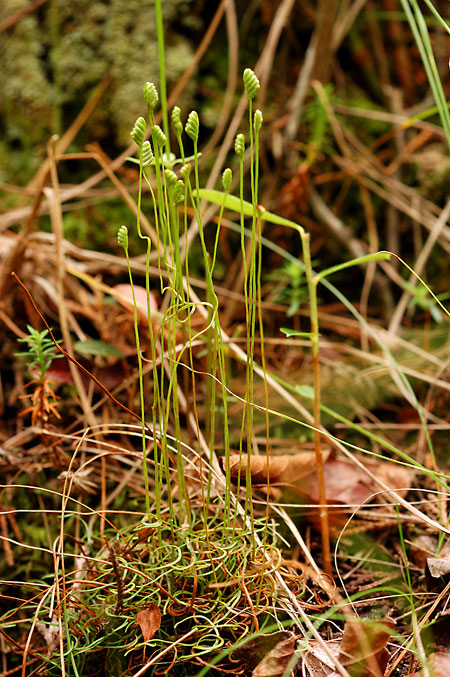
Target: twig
{"points": [[17, 16], [296, 102]]}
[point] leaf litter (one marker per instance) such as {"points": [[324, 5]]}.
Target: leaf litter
{"points": [[292, 474]]}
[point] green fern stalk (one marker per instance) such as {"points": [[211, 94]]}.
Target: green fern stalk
{"points": [[122, 238]]}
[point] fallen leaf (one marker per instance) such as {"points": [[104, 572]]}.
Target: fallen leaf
{"points": [[438, 566], [363, 647], [422, 547], [436, 641], [437, 572], [348, 484], [110, 377], [149, 620], [286, 468], [345, 482], [124, 295], [97, 347], [395, 476], [253, 652], [275, 663], [316, 661], [438, 663], [361, 651]]}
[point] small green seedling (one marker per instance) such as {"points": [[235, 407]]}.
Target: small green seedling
{"points": [[41, 352]]}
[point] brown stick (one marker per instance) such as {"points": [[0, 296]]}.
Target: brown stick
{"points": [[17, 16]]}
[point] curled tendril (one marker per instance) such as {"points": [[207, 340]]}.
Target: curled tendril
{"points": [[151, 96], [122, 237], [185, 172], [239, 145], [178, 192], [176, 121], [226, 179], [192, 125], [251, 83], [158, 135], [147, 154], [171, 177], [138, 131], [257, 120]]}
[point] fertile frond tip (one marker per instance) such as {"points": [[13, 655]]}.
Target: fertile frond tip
{"points": [[122, 237], [226, 179], [251, 83], [239, 145], [176, 121], [257, 120], [158, 135], [151, 96], [138, 132], [192, 125], [147, 154]]}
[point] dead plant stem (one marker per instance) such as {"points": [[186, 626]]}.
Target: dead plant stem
{"points": [[314, 319]]}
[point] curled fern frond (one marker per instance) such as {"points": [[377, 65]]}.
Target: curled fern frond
{"points": [[226, 179], [192, 125], [185, 172], [239, 145], [159, 136], [171, 177], [151, 96], [176, 121], [257, 120], [138, 131], [251, 83], [122, 237], [178, 192], [147, 154]]}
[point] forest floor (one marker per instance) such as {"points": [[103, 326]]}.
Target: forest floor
{"points": [[241, 492]]}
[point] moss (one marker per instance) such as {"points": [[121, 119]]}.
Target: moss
{"points": [[51, 61], [25, 94], [132, 50]]}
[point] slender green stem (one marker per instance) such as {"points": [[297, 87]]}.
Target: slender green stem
{"points": [[141, 389], [420, 32], [162, 70]]}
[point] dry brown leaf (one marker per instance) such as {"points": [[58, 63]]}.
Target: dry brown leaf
{"points": [[361, 651], [317, 662], [438, 566], [149, 620], [345, 482], [439, 663], [395, 476], [253, 652], [422, 547], [283, 469], [274, 664], [124, 295], [110, 377], [348, 484], [363, 647], [437, 645]]}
